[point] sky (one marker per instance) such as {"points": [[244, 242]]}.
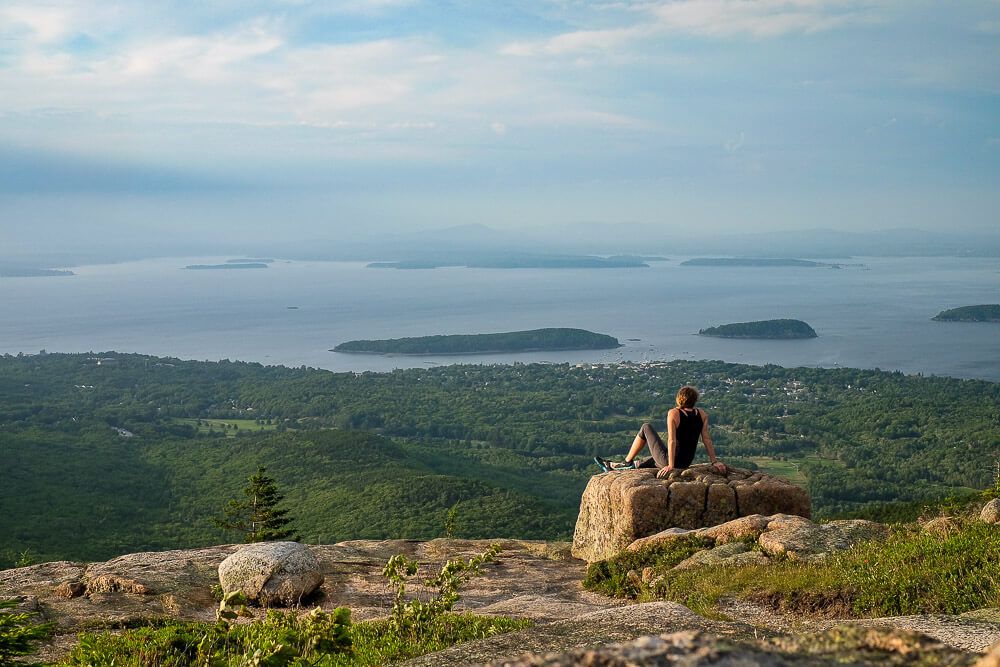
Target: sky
{"points": [[141, 122]]}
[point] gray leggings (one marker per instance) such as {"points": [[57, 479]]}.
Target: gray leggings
{"points": [[660, 457]]}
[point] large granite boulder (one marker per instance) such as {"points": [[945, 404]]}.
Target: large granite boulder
{"points": [[991, 511], [620, 507], [271, 573]]}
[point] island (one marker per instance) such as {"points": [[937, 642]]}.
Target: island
{"points": [[264, 260], [26, 272], [766, 329], [409, 264], [535, 340], [520, 262], [987, 312], [222, 267], [753, 261]]}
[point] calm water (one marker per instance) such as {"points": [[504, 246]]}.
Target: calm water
{"points": [[873, 317]]}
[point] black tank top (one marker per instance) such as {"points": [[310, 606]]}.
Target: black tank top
{"points": [[687, 433]]}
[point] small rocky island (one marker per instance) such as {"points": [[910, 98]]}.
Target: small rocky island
{"points": [[765, 329], [535, 340], [987, 312]]}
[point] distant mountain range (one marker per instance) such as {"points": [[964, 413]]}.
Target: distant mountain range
{"points": [[479, 245]]}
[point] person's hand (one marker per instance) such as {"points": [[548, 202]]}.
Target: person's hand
{"points": [[663, 472], [721, 467]]}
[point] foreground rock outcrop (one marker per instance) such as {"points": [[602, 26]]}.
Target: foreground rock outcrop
{"points": [[618, 508], [848, 645], [535, 580]]}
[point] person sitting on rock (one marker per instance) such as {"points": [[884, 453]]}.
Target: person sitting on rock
{"points": [[685, 424]]}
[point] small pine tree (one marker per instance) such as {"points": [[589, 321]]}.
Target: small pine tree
{"points": [[257, 515]]}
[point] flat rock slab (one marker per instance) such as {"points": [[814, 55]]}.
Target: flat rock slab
{"points": [[620, 507], [600, 627], [848, 645]]}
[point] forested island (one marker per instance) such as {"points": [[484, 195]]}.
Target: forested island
{"points": [[988, 312], [766, 329], [228, 265], [506, 450], [535, 340], [756, 261]]}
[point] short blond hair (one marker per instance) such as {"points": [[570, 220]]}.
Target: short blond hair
{"points": [[687, 396]]}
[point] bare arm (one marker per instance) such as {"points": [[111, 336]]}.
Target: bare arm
{"points": [[707, 439], [673, 419]]}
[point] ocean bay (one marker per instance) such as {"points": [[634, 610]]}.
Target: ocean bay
{"points": [[292, 313]]}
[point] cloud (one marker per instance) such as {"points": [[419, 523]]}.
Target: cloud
{"points": [[708, 18], [195, 58], [759, 18], [44, 24], [576, 42]]}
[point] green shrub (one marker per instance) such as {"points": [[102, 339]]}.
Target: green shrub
{"points": [[414, 618], [277, 640], [372, 643], [376, 642], [19, 634]]}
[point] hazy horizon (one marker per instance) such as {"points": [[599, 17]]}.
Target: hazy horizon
{"points": [[151, 126]]}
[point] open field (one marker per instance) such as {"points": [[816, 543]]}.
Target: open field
{"points": [[228, 426]]}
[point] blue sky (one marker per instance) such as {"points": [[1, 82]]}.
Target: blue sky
{"points": [[316, 119]]}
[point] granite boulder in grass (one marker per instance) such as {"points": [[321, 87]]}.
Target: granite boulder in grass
{"points": [[618, 508], [272, 573]]}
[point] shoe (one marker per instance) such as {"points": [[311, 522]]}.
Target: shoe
{"points": [[604, 464], [622, 466]]}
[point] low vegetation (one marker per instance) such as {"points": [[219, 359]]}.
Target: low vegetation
{"points": [[20, 632], [911, 572]]}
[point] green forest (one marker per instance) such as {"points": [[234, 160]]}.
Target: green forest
{"points": [[142, 453]]}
